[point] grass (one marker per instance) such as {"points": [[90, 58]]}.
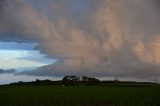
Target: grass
{"points": [[79, 96]]}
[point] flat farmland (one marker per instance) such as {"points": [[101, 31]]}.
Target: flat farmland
{"points": [[79, 96]]}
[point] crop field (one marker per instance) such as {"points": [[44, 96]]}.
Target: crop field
{"points": [[79, 96]]}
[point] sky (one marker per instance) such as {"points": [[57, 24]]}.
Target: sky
{"points": [[106, 39], [21, 56]]}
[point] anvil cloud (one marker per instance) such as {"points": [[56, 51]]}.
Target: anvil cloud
{"points": [[93, 37]]}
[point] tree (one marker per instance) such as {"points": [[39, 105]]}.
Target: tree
{"points": [[70, 80]]}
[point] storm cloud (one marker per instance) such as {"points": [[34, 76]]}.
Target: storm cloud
{"points": [[7, 71], [92, 37]]}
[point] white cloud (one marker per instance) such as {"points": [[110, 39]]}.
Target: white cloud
{"points": [[19, 60]]}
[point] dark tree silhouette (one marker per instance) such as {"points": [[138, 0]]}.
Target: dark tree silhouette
{"points": [[74, 81], [81, 81]]}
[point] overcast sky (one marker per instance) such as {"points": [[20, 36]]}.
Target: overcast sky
{"points": [[100, 38]]}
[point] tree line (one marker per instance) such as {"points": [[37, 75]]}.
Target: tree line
{"points": [[80, 81]]}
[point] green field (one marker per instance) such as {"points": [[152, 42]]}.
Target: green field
{"points": [[79, 96]]}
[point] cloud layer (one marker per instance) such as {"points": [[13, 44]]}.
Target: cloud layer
{"points": [[99, 38], [7, 71]]}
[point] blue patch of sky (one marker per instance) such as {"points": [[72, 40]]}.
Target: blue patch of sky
{"points": [[75, 5], [21, 56], [16, 46], [13, 37]]}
